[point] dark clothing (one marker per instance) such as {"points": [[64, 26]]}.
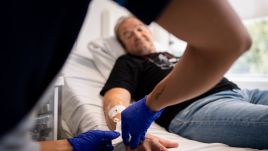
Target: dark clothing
{"points": [[145, 10], [139, 75], [43, 33], [38, 38]]}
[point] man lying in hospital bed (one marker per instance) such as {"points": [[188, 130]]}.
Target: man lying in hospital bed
{"points": [[224, 114], [85, 74]]}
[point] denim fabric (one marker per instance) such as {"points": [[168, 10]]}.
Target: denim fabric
{"points": [[235, 117]]}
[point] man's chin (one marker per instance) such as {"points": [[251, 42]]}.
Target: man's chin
{"points": [[145, 51], [142, 52]]}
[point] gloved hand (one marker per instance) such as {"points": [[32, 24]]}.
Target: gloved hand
{"points": [[136, 119], [94, 140]]}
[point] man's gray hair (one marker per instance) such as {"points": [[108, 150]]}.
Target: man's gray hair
{"points": [[117, 25]]}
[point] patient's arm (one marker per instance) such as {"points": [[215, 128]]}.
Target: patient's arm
{"points": [[121, 96], [59, 145], [113, 97], [155, 143]]}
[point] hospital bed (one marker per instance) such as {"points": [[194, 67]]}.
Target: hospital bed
{"points": [[85, 73]]}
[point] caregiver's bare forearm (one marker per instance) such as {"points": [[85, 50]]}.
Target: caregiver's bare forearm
{"points": [[216, 38], [194, 74]]}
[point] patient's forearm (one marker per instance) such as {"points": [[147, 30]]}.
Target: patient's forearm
{"points": [[113, 97], [60, 145]]}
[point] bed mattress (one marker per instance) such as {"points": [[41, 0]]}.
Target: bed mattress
{"points": [[82, 105]]}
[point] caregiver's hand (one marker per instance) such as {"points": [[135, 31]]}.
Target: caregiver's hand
{"points": [[154, 143], [136, 119], [94, 140]]}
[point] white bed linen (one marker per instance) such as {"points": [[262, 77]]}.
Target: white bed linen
{"points": [[186, 144], [82, 104]]}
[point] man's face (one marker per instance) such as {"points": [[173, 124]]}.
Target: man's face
{"points": [[136, 37]]}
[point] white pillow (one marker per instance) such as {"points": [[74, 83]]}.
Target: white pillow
{"points": [[105, 51]]}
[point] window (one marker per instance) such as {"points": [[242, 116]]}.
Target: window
{"points": [[255, 61]]}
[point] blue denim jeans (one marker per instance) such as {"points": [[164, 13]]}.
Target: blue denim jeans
{"points": [[235, 117]]}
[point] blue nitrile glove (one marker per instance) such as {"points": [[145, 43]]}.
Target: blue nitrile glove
{"points": [[136, 119], [94, 140]]}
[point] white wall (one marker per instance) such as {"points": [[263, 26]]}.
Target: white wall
{"points": [[248, 9], [91, 28]]}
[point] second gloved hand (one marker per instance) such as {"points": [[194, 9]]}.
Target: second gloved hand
{"points": [[136, 119], [94, 140]]}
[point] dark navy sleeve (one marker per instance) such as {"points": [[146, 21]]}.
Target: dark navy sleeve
{"points": [[146, 10], [38, 37]]}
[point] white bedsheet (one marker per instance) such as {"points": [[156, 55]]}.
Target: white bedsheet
{"points": [[82, 105]]}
